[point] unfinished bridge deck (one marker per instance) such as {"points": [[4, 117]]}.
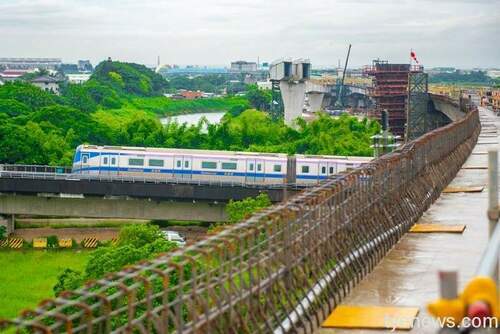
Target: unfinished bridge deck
{"points": [[407, 276]]}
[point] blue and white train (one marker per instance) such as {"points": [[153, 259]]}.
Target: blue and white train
{"points": [[206, 165]]}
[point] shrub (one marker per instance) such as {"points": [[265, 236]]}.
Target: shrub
{"points": [[69, 279], [138, 235], [3, 232], [239, 210], [52, 241]]}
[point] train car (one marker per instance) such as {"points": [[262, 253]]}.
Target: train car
{"points": [[209, 166], [167, 163], [312, 169]]}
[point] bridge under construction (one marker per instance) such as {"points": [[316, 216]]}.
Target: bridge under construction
{"points": [[287, 268]]}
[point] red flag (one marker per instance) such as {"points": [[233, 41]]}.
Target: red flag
{"points": [[413, 55]]}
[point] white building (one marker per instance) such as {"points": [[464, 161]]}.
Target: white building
{"points": [[48, 84], [78, 78], [243, 66], [494, 73]]}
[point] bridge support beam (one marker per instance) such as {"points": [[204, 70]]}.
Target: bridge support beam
{"points": [[316, 101], [8, 222], [97, 207]]}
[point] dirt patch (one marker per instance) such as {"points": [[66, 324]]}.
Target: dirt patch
{"points": [[103, 233], [191, 233]]}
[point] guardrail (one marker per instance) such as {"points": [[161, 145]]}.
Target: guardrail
{"points": [[64, 173], [137, 179], [282, 270]]}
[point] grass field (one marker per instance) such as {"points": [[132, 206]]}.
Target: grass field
{"points": [[27, 277]]}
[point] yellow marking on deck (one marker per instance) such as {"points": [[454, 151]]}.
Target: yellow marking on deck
{"points": [[463, 189], [474, 167], [437, 228], [371, 317]]}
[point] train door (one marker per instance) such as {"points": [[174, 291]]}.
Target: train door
{"points": [[260, 171], [250, 171], [322, 170], [178, 167], [187, 167], [105, 165], [85, 163]]}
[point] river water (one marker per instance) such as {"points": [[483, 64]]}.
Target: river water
{"points": [[193, 119]]}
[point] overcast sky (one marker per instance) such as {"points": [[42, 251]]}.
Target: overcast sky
{"points": [[461, 33]]}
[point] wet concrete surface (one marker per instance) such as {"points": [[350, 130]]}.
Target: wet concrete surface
{"points": [[407, 276]]}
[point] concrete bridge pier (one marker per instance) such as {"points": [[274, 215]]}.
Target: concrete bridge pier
{"points": [[8, 222], [316, 100], [293, 94]]}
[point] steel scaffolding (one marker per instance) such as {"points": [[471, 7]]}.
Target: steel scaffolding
{"points": [[390, 91]]}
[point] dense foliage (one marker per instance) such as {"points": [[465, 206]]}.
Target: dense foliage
{"points": [[260, 99], [239, 210], [474, 77], [119, 106], [136, 243], [129, 78]]}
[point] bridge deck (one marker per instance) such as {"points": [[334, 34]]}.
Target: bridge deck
{"points": [[407, 276]]}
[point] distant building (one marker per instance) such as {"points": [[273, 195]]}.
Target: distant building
{"points": [[78, 78], [493, 73], [85, 66], [265, 85], [68, 68], [186, 95], [11, 75], [243, 66], [48, 84], [190, 95], [30, 63]]}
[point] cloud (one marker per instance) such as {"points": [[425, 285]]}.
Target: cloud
{"points": [[450, 32]]}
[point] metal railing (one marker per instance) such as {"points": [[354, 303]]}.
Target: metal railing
{"points": [[282, 270], [64, 173]]}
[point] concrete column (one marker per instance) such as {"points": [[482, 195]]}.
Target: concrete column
{"points": [[316, 101], [293, 94], [8, 222]]}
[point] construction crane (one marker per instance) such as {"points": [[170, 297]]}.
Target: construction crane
{"points": [[339, 104]]}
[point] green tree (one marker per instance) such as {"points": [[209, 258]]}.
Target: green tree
{"points": [[13, 108], [240, 210], [139, 235], [31, 96], [78, 97], [260, 99], [68, 280]]}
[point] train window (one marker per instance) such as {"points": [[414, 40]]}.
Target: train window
{"points": [[305, 169], [277, 168], [331, 170], [323, 170], [156, 163], [186, 164], [259, 167], [135, 162], [85, 159], [105, 160], [229, 165], [179, 164], [208, 164], [113, 161], [251, 166]]}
